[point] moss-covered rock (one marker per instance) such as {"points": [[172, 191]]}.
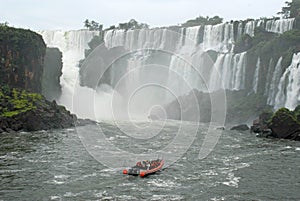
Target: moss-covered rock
{"points": [[21, 110], [285, 125]]}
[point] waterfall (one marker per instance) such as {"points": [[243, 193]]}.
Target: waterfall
{"points": [[280, 26], [219, 37], [240, 30], [238, 80], [229, 72], [182, 66], [140, 39], [179, 59], [79, 100], [256, 76], [251, 25], [289, 86], [269, 77], [72, 44], [215, 82], [293, 87], [274, 82], [249, 28]]}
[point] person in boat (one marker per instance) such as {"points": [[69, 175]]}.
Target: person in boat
{"points": [[145, 164]]}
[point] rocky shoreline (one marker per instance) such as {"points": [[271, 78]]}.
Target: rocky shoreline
{"points": [[283, 124], [21, 110]]}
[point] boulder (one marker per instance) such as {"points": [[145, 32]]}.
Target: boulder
{"points": [[242, 127], [285, 125]]}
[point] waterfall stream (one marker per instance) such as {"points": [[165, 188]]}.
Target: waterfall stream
{"points": [[178, 60]]}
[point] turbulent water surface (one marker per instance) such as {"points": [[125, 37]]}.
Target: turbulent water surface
{"points": [[55, 165]]}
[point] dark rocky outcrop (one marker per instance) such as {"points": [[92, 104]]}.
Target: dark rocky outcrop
{"points": [[20, 110], [21, 58], [22, 107], [242, 127], [97, 69], [51, 88], [260, 124], [285, 125]]}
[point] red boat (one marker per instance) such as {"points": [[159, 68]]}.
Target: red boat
{"points": [[144, 168]]}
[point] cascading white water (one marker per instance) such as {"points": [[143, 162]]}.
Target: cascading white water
{"points": [[239, 72], [280, 26], [181, 63], [249, 28], [219, 37], [76, 98], [251, 25], [139, 39], [289, 86], [229, 72], [72, 44], [256, 76], [186, 62], [273, 87]]}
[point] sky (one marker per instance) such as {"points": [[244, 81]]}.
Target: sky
{"points": [[70, 14]]}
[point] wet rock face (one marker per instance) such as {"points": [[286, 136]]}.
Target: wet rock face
{"points": [[242, 127], [21, 58], [285, 125], [51, 88]]}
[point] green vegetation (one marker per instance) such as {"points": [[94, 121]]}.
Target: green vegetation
{"points": [[297, 113], [244, 106], [4, 24], [15, 101], [283, 116], [284, 113], [292, 9], [21, 58], [267, 45], [203, 21], [93, 25], [133, 24]]}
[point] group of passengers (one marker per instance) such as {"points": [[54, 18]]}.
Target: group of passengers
{"points": [[146, 164]]}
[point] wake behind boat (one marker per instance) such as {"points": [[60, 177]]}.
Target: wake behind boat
{"points": [[144, 168]]}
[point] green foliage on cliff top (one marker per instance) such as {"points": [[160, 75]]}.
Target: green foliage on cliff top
{"points": [[21, 58], [268, 45], [203, 21], [22, 40], [292, 9], [15, 101], [133, 24], [93, 25]]}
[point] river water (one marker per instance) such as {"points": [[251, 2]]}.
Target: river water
{"points": [[55, 165]]}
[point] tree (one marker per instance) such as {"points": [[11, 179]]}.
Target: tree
{"points": [[203, 21], [5, 24], [291, 10], [133, 24], [87, 24], [93, 25]]}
